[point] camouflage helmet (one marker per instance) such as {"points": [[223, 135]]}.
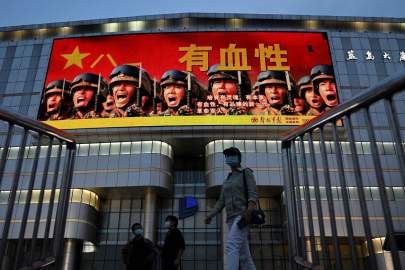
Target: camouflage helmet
{"points": [[215, 73], [58, 86], [130, 73], [173, 76], [91, 81], [321, 72], [304, 83], [271, 77], [179, 77]]}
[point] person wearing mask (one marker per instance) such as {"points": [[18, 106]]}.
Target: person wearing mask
{"points": [[238, 209], [139, 253], [174, 245]]}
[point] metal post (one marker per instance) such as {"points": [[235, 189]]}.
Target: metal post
{"points": [[11, 199], [40, 201], [345, 197], [27, 203], [396, 135], [314, 253], [6, 149], [325, 251], [325, 165], [360, 191], [383, 193], [63, 203], [291, 215], [51, 201], [297, 186]]}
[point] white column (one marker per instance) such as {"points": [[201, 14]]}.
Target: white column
{"points": [[150, 214], [224, 237], [72, 253]]}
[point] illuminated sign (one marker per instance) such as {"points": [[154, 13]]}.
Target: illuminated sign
{"points": [[351, 55], [201, 78]]}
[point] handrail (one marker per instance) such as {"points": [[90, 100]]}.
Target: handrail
{"points": [[383, 89], [26, 122]]}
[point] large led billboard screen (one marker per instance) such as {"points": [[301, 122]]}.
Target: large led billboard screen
{"points": [[197, 78]]}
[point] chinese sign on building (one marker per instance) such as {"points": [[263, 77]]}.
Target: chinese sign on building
{"points": [[204, 78]]}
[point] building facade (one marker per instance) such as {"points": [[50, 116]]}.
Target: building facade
{"points": [[139, 174]]}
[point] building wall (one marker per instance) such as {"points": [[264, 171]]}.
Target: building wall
{"points": [[111, 162]]}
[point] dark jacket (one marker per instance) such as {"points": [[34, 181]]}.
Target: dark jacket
{"points": [[139, 254]]}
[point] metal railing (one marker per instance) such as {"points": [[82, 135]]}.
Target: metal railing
{"points": [[46, 227], [313, 163]]}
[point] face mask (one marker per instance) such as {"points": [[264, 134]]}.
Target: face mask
{"points": [[232, 161], [167, 224], [138, 232]]}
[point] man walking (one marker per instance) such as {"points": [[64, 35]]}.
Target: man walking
{"points": [[238, 209]]}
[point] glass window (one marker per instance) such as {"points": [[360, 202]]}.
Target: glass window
{"points": [[31, 151], [86, 197], [209, 149], [55, 150], [399, 193], [353, 193], [366, 148], [136, 148], [13, 152], [345, 148], [44, 150], [83, 150], [375, 193], [165, 149], [115, 148], [218, 147], [389, 148], [76, 195], [261, 146], [4, 197], [170, 152], [317, 148], [35, 196], [271, 146], [359, 148], [21, 196], [146, 146], [227, 143], [156, 147], [250, 146], [240, 144], [47, 196], [104, 149], [126, 148], [93, 151], [390, 193], [322, 192]]}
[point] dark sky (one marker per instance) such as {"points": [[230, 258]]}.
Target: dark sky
{"points": [[22, 12]]}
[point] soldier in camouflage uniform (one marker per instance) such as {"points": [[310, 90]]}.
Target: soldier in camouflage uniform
{"points": [[313, 100], [180, 92], [89, 91], [299, 108], [224, 84], [272, 85], [124, 87], [57, 103], [323, 81]]}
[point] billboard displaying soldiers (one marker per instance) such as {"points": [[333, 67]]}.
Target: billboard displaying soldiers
{"points": [[249, 75]]}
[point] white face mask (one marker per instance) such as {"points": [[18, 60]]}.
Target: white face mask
{"points": [[138, 232], [232, 161]]}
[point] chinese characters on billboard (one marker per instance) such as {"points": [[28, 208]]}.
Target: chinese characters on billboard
{"points": [[204, 78]]}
